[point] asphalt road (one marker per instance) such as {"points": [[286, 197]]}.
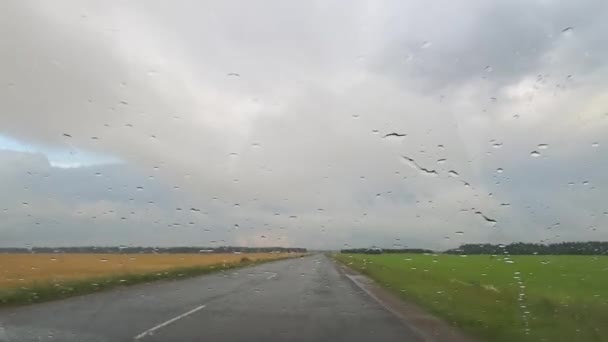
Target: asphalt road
{"points": [[304, 299]]}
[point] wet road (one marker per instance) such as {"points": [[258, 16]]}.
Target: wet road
{"points": [[304, 299]]}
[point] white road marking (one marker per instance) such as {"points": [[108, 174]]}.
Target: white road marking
{"points": [[164, 324]]}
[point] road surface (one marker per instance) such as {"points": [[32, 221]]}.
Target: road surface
{"points": [[305, 299]]}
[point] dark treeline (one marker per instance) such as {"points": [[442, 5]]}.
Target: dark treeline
{"points": [[520, 248], [383, 250], [142, 250]]}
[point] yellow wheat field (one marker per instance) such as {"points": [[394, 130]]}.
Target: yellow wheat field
{"points": [[18, 270]]}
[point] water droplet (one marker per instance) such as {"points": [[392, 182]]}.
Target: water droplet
{"points": [[543, 146], [233, 74], [487, 219], [488, 69], [441, 161], [568, 29], [460, 232], [535, 154], [67, 135], [500, 170], [497, 145], [595, 144], [356, 116], [139, 188], [394, 136], [453, 173], [415, 165], [425, 45]]}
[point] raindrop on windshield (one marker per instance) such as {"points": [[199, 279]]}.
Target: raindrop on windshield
{"points": [[425, 45], [394, 136]]}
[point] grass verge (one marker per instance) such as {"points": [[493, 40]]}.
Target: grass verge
{"points": [[44, 291], [498, 298]]}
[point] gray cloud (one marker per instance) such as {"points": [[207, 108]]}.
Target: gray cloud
{"points": [[270, 121]]}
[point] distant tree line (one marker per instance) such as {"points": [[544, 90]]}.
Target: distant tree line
{"points": [[519, 248], [151, 250], [375, 250]]}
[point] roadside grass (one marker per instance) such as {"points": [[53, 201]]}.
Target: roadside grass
{"points": [[45, 290], [518, 298]]}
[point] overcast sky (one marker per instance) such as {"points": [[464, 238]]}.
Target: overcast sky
{"points": [[321, 124]]}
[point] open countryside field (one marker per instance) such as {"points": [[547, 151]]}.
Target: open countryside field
{"points": [[516, 298], [37, 277]]}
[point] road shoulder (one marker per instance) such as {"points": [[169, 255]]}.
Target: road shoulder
{"points": [[429, 327]]}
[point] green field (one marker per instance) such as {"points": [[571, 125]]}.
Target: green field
{"points": [[517, 298]]}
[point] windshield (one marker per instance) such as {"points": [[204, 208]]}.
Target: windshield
{"points": [[309, 170]]}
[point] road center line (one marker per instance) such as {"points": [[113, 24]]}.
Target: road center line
{"points": [[164, 324]]}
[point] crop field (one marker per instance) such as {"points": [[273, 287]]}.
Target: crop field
{"points": [[501, 298], [28, 278]]}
